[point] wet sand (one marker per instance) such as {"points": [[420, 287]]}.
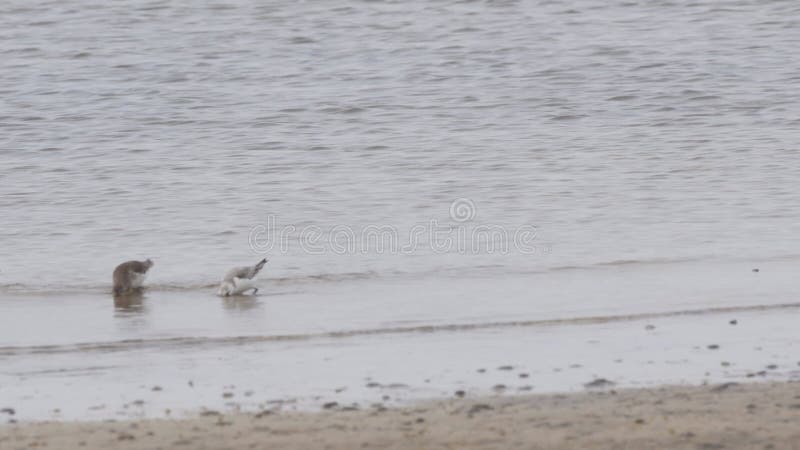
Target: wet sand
{"points": [[722, 416], [157, 377]]}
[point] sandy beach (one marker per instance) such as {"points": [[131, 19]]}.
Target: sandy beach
{"points": [[721, 416]]}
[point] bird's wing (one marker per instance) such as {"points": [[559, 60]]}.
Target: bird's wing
{"points": [[238, 272]]}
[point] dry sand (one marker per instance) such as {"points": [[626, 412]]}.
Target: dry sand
{"points": [[730, 416]]}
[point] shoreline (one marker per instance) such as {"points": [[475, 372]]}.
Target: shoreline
{"points": [[728, 415], [167, 381]]}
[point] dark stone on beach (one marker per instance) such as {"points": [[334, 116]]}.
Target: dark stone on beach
{"points": [[373, 384], [156, 388], [330, 405], [210, 412], [725, 364], [9, 411], [262, 414], [762, 373], [125, 437], [650, 327], [478, 408], [222, 423], [639, 421], [420, 419], [599, 383], [525, 388], [772, 366], [481, 370], [733, 322], [755, 270], [460, 394], [190, 383], [505, 368], [227, 394], [713, 347], [499, 387], [396, 386], [524, 375], [723, 387], [385, 398]]}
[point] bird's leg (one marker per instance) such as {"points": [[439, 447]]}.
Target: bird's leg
{"points": [[255, 291]]}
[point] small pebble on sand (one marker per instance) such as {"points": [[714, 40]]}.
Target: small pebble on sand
{"points": [[478, 408], [460, 394], [713, 347], [599, 383]]}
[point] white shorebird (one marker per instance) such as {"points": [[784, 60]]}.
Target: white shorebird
{"points": [[240, 279], [129, 276]]}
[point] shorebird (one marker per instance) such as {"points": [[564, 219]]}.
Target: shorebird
{"points": [[129, 276], [240, 279]]}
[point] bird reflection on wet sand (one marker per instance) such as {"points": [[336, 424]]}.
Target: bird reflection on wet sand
{"points": [[129, 302], [240, 303]]}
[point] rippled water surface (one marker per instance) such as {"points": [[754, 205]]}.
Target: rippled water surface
{"points": [[653, 146], [621, 130]]}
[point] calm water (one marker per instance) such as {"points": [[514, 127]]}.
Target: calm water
{"points": [[652, 145], [621, 130]]}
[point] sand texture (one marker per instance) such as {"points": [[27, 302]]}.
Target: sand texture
{"points": [[728, 416]]}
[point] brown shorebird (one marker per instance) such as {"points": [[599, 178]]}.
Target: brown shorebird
{"points": [[129, 276]]}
